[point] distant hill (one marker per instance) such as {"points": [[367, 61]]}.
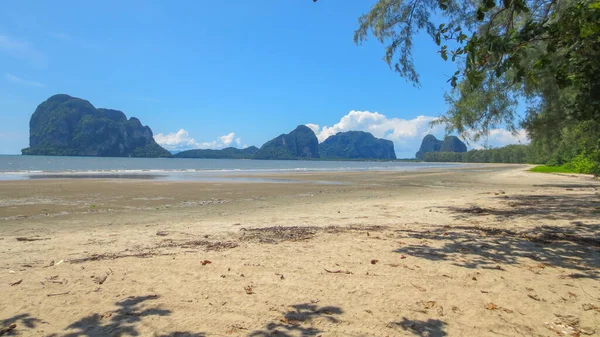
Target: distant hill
{"points": [[356, 145], [70, 126], [453, 144], [226, 153], [432, 144], [301, 143]]}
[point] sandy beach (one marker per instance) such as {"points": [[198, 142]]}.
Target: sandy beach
{"points": [[481, 250]]}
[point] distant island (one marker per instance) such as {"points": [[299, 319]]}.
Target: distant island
{"points": [[357, 145], [70, 126], [302, 143], [432, 144]]}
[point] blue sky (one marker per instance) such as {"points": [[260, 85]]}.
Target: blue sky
{"points": [[197, 71]]}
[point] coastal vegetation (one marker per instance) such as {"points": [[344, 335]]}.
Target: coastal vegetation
{"points": [[551, 169], [540, 54], [226, 153], [514, 154]]}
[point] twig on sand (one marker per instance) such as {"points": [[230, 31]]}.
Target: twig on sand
{"points": [[338, 271], [58, 294], [32, 239], [16, 283], [100, 279], [7, 330], [418, 287], [99, 257]]}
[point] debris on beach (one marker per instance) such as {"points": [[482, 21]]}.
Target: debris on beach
{"points": [[208, 245], [53, 263], [589, 306], [58, 294], [493, 306], [338, 271], [114, 256], [8, 329], [205, 262], [54, 279], [421, 289], [440, 310], [426, 304], [278, 234], [568, 325], [34, 238], [248, 290], [100, 279], [16, 283], [374, 261]]}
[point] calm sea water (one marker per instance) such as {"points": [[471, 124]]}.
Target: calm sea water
{"points": [[15, 167]]}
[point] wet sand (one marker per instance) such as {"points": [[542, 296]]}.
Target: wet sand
{"points": [[483, 250]]}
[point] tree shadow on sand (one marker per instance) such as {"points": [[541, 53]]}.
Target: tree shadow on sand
{"points": [[576, 248], [22, 319], [428, 328], [295, 321], [122, 321], [183, 334], [537, 207]]}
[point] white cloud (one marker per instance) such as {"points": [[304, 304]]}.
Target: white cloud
{"points": [[227, 139], [406, 134], [181, 140], [18, 80], [22, 50], [315, 129], [176, 141]]}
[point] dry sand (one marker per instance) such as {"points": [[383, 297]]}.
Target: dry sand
{"points": [[487, 250]]}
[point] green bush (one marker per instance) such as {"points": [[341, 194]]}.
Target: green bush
{"points": [[585, 162], [551, 169]]}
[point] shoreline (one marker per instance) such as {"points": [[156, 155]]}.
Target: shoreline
{"points": [[468, 251]]}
